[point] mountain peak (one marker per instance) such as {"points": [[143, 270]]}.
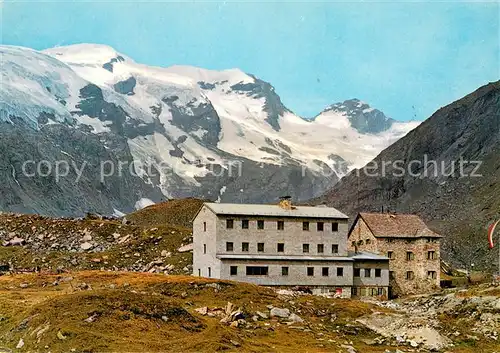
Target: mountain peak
{"points": [[362, 117], [349, 105], [86, 54]]}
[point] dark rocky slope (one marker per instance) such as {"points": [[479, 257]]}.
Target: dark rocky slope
{"points": [[458, 205]]}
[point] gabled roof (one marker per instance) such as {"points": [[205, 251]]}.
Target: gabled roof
{"points": [[387, 225], [236, 209]]}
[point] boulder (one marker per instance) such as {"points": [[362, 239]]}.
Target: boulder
{"points": [[295, 318], [278, 312], [91, 318], [236, 315], [229, 308], [165, 253], [186, 248], [20, 344], [413, 343], [261, 315], [86, 246], [202, 311], [350, 349]]}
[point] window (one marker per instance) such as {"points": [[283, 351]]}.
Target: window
{"points": [[234, 270], [335, 227], [368, 241], [245, 247], [360, 242], [410, 256], [244, 224], [390, 255], [229, 246], [305, 225], [354, 291], [257, 270], [199, 272], [410, 275], [229, 223], [284, 271], [389, 240], [204, 248], [281, 247], [378, 272], [204, 226], [260, 247], [353, 244], [335, 248], [340, 271], [209, 272], [260, 224], [320, 226], [380, 291], [310, 271], [432, 274], [392, 275], [324, 271], [281, 225], [321, 248], [368, 272], [357, 272], [305, 248], [431, 255], [373, 292]]}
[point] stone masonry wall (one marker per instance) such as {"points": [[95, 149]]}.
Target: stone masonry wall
{"points": [[293, 236], [399, 265], [362, 237]]}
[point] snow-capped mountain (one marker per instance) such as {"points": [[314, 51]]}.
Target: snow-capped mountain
{"points": [[184, 129], [361, 116]]}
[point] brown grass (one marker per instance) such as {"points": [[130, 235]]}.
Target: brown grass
{"points": [[128, 310], [175, 213]]}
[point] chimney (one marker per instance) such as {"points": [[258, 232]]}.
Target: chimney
{"points": [[286, 203]]}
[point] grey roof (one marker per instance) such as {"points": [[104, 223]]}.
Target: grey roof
{"points": [[367, 256], [282, 257], [274, 210]]}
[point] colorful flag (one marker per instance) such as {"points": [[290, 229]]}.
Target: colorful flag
{"points": [[491, 230]]}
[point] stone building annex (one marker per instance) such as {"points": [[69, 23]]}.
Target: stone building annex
{"points": [[285, 245], [412, 248]]}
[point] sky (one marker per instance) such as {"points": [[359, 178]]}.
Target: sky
{"points": [[407, 59]]}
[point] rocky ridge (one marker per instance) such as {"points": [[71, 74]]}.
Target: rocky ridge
{"points": [[448, 173], [36, 243]]}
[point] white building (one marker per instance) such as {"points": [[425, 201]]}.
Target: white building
{"points": [[283, 245]]}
